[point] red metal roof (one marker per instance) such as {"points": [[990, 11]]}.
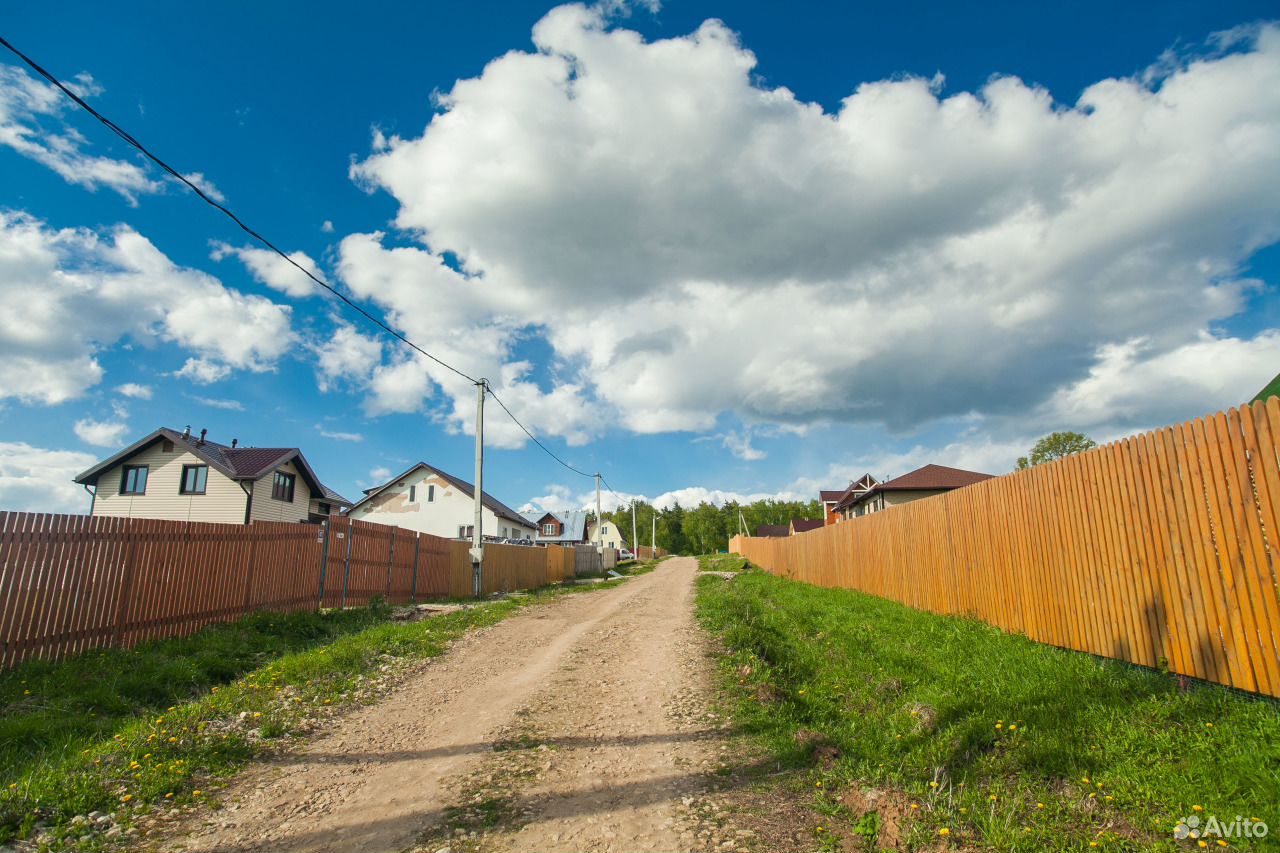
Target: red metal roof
{"points": [[927, 478], [800, 525], [831, 495], [773, 530]]}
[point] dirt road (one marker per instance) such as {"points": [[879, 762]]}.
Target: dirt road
{"points": [[576, 725]]}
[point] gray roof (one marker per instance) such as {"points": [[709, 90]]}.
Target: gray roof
{"points": [[575, 526]]}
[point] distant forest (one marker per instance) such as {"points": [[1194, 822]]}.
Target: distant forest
{"points": [[706, 528]]}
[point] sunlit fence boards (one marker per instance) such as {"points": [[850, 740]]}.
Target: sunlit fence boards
{"points": [[1159, 549]]}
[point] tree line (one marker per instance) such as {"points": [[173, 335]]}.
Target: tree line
{"points": [[706, 528]]}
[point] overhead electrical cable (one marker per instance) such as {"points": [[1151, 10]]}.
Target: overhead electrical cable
{"points": [[226, 211]]}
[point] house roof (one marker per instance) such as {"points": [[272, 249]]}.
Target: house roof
{"points": [[573, 526], [856, 489], [927, 478], [773, 530], [496, 506], [801, 525], [831, 494], [237, 463]]}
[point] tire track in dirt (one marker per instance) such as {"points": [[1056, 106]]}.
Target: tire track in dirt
{"points": [[611, 684]]}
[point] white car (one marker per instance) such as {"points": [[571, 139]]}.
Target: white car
{"points": [[625, 554]]}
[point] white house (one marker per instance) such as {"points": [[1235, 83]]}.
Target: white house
{"points": [[428, 500], [610, 535], [176, 476]]}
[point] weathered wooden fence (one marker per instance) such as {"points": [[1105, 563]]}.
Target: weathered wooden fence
{"points": [[69, 583], [1160, 549]]}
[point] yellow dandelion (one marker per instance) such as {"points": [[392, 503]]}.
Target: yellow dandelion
{"points": [[1201, 844], [1039, 805], [963, 810], [126, 798], [169, 796], [195, 793], [933, 784], [817, 784], [1208, 725], [999, 726], [1093, 844], [1222, 843], [1085, 780], [1013, 727], [1197, 808], [944, 832], [173, 740], [1098, 784], [914, 806], [992, 798]]}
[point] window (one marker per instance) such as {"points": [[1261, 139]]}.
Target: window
{"points": [[466, 531], [194, 478], [549, 529], [133, 480], [413, 493], [282, 488], [431, 493]]}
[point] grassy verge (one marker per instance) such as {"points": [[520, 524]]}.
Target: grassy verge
{"points": [[91, 746], [918, 731], [721, 563]]}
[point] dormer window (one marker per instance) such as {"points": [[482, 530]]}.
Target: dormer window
{"points": [[549, 529]]}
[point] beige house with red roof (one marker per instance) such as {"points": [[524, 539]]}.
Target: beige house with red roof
{"points": [[429, 500], [923, 482], [176, 476]]}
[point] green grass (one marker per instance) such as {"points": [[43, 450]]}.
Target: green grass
{"points": [[1272, 389], [721, 563], [121, 731], [1005, 743]]}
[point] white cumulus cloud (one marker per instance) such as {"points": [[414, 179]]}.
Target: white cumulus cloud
{"points": [[70, 293], [690, 242], [34, 479]]}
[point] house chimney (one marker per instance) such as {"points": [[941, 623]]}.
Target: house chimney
{"points": [[202, 432], [234, 442], [186, 433]]}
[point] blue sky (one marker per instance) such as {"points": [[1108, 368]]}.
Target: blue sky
{"points": [[751, 257]]}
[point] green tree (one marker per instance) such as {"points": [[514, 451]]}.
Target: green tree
{"points": [[1055, 446]]}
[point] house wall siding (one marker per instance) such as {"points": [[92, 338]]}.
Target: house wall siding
{"points": [[267, 508], [223, 501], [452, 508]]}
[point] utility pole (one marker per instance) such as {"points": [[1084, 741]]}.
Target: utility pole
{"points": [[477, 531], [635, 543], [654, 540], [599, 518]]}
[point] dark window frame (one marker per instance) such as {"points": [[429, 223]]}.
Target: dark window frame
{"points": [[431, 493], [125, 471], [413, 493], [283, 482], [204, 481]]}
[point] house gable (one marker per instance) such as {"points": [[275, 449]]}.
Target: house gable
{"points": [[223, 500]]}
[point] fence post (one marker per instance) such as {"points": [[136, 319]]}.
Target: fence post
{"points": [[391, 557], [324, 563], [346, 571], [413, 585]]}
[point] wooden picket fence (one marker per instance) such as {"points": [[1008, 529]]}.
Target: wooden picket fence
{"points": [[1160, 549], [69, 583]]}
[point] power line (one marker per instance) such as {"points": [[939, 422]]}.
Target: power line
{"points": [[134, 143], [124, 135], [534, 438]]}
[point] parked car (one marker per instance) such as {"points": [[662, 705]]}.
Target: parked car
{"points": [[625, 554]]}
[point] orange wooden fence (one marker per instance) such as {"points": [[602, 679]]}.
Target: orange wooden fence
{"points": [[1160, 549], [69, 583]]}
